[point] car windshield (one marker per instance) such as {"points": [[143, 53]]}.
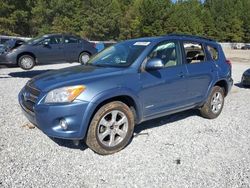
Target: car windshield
{"points": [[35, 40], [119, 55]]}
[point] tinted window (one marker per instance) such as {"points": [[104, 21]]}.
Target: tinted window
{"points": [[167, 52], [70, 39], [194, 52], [213, 52]]}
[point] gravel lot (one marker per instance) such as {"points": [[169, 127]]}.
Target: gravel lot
{"points": [[181, 150]]}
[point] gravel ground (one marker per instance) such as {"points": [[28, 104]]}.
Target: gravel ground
{"points": [[181, 150]]}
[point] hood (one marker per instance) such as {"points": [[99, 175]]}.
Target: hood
{"points": [[72, 76]]}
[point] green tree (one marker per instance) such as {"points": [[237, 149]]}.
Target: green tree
{"points": [[186, 17], [102, 19], [152, 16], [227, 20], [15, 16], [245, 17], [130, 22]]}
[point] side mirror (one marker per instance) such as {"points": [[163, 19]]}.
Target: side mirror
{"points": [[154, 64], [46, 43]]}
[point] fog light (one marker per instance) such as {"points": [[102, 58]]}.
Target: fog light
{"points": [[63, 124]]}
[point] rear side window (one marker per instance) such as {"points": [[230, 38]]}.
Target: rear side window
{"points": [[213, 52], [194, 52], [70, 40]]}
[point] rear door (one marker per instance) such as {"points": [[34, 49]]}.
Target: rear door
{"points": [[201, 70], [72, 48], [165, 89]]}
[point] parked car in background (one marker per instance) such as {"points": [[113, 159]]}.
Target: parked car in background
{"points": [[126, 84], [245, 80], [246, 47], [48, 49], [4, 38], [13, 43], [237, 46]]}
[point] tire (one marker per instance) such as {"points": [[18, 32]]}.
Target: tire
{"points": [[106, 135], [214, 104], [84, 58], [26, 62]]}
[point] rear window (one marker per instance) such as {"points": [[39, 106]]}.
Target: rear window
{"points": [[213, 52], [194, 52]]}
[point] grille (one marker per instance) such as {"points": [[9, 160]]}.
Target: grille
{"points": [[29, 97]]}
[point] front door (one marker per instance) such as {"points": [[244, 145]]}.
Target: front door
{"points": [[50, 50], [164, 89]]}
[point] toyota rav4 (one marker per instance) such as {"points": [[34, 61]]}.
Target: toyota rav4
{"points": [[128, 83]]}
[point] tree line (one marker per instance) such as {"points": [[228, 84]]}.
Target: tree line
{"points": [[223, 20]]}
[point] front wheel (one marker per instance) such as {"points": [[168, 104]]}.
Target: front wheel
{"points": [[111, 128], [213, 107], [26, 62], [84, 58]]}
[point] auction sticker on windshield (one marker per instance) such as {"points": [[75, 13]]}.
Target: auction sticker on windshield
{"points": [[141, 43]]}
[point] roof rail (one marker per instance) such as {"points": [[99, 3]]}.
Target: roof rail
{"points": [[191, 36]]}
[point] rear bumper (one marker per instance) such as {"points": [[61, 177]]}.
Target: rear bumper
{"points": [[47, 118]]}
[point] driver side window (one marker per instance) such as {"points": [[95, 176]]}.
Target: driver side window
{"points": [[52, 40], [167, 52]]}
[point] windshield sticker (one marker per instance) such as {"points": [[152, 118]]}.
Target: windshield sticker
{"points": [[141, 43]]}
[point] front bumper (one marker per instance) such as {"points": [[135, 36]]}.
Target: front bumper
{"points": [[8, 59], [47, 118]]}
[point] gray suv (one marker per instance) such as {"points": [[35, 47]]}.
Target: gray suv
{"points": [[48, 49]]}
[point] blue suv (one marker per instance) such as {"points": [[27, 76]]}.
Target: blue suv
{"points": [[128, 83]]}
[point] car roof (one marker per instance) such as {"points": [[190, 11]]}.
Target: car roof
{"points": [[65, 34], [175, 37]]}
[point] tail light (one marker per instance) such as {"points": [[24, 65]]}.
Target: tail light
{"points": [[229, 62]]}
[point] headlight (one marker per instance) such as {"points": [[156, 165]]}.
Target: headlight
{"points": [[64, 94]]}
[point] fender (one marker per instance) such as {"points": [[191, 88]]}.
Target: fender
{"points": [[103, 96], [212, 85]]}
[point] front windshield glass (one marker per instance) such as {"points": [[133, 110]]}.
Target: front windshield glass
{"points": [[119, 55]]}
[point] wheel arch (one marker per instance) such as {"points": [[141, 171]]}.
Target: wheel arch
{"points": [[104, 98], [126, 99], [25, 53], [86, 51], [223, 84]]}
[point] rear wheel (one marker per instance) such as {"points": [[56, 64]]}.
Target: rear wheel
{"points": [[84, 58], [111, 128], [26, 62], [213, 107]]}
